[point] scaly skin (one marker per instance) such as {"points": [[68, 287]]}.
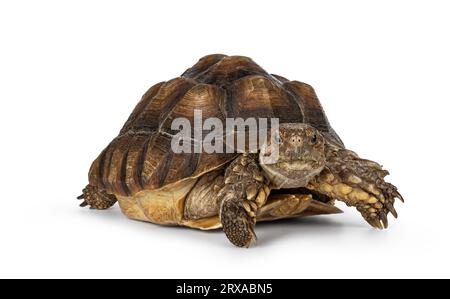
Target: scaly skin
{"points": [[96, 198], [358, 183], [245, 190]]}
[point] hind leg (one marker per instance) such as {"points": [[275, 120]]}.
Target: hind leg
{"points": [[96, 198]]}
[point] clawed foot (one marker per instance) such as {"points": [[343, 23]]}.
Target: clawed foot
{"points": [[379, 196], [238, 219], [96, 198], [375, 212], [368, 176], [359, 183], [240, 205]]}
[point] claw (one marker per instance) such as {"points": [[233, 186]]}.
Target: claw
{"points": [[375, 223], [391, 191], [391, 209], [384, 219], [83, 204], [399, 196], [81, 196]]}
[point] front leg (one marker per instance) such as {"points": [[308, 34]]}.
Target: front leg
{"points": [[244, 192], [359, 183]]}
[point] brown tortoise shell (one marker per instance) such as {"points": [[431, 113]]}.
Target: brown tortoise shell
{"points": [[140, 158]]}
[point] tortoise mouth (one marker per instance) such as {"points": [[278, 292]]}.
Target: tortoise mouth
{"points": [[299, 164]]}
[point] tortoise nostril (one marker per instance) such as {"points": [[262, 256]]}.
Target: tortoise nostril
{"points": [[296, 141]]}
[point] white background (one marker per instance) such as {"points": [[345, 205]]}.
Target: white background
{"points": [[72, 71]]}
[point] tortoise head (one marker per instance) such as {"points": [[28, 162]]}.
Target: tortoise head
{"points": [[293, 155]]}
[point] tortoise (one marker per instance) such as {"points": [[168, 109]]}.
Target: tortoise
{"points": [[234, 190]]}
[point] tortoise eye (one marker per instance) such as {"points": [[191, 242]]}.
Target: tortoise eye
{"points": [[313, 139]]}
